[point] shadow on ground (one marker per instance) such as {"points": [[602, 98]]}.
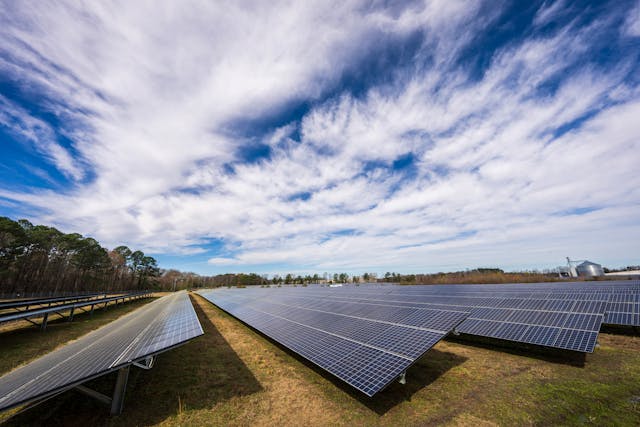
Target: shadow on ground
{"points": [[552, 355], [198, 375], [632, 331]]}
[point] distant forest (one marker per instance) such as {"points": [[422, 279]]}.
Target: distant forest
{"points": [[41, 260]]}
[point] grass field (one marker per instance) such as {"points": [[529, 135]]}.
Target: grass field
{"points": [[234, 376]]}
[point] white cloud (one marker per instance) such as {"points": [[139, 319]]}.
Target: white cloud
{"points": [[152, 94], [548, 11], [632, 23]]}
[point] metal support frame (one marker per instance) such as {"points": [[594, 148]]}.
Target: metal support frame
{"points": [[148, 363], [72, 311], [31, 321], [95, 394], [402, 379], [117, 401]]}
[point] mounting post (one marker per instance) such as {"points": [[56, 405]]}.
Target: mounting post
{"points": [[455, 332], [117, 402], [402, 379], [43, 325]]}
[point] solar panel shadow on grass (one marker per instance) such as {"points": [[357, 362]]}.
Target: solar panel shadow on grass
{"points": [[156, 327], [365, 345]]}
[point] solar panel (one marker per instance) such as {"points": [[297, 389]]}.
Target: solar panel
{"points": [[558, 315], [366, 345], [151, 329]]}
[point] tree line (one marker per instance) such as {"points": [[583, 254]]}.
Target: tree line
{"points": [[477, 275], [42, 260]]}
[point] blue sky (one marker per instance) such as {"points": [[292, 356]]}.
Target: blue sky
{"points": [[327, 136]]}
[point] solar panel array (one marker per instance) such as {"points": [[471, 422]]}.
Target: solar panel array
{"points": [[564, 321], [367, 335], [156, 327], [366, 345], [623, 308], [622, 298], [10, 316], [30, 302]]}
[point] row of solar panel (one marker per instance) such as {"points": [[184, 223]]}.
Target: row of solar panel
{"points": [[64, 306], [570, 318], [620, 308], [496, 306], [153, 328], [366, 346], [569, 339], [301, 319], [368, 331], [534, 327], [587, 286], [26, 303]]}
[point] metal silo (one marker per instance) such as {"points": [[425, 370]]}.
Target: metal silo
{"points": [[589, 269]]}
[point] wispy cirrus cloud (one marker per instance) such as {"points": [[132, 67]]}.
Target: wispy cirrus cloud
{"points": [[342, 135]]}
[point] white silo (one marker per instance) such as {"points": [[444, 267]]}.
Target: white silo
{"points": [[589, 269]]}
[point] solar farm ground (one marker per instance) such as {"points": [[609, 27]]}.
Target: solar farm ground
{"points": [[234, 376]]}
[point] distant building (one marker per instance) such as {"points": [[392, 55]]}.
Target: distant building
{"points": [[628, 274]]}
